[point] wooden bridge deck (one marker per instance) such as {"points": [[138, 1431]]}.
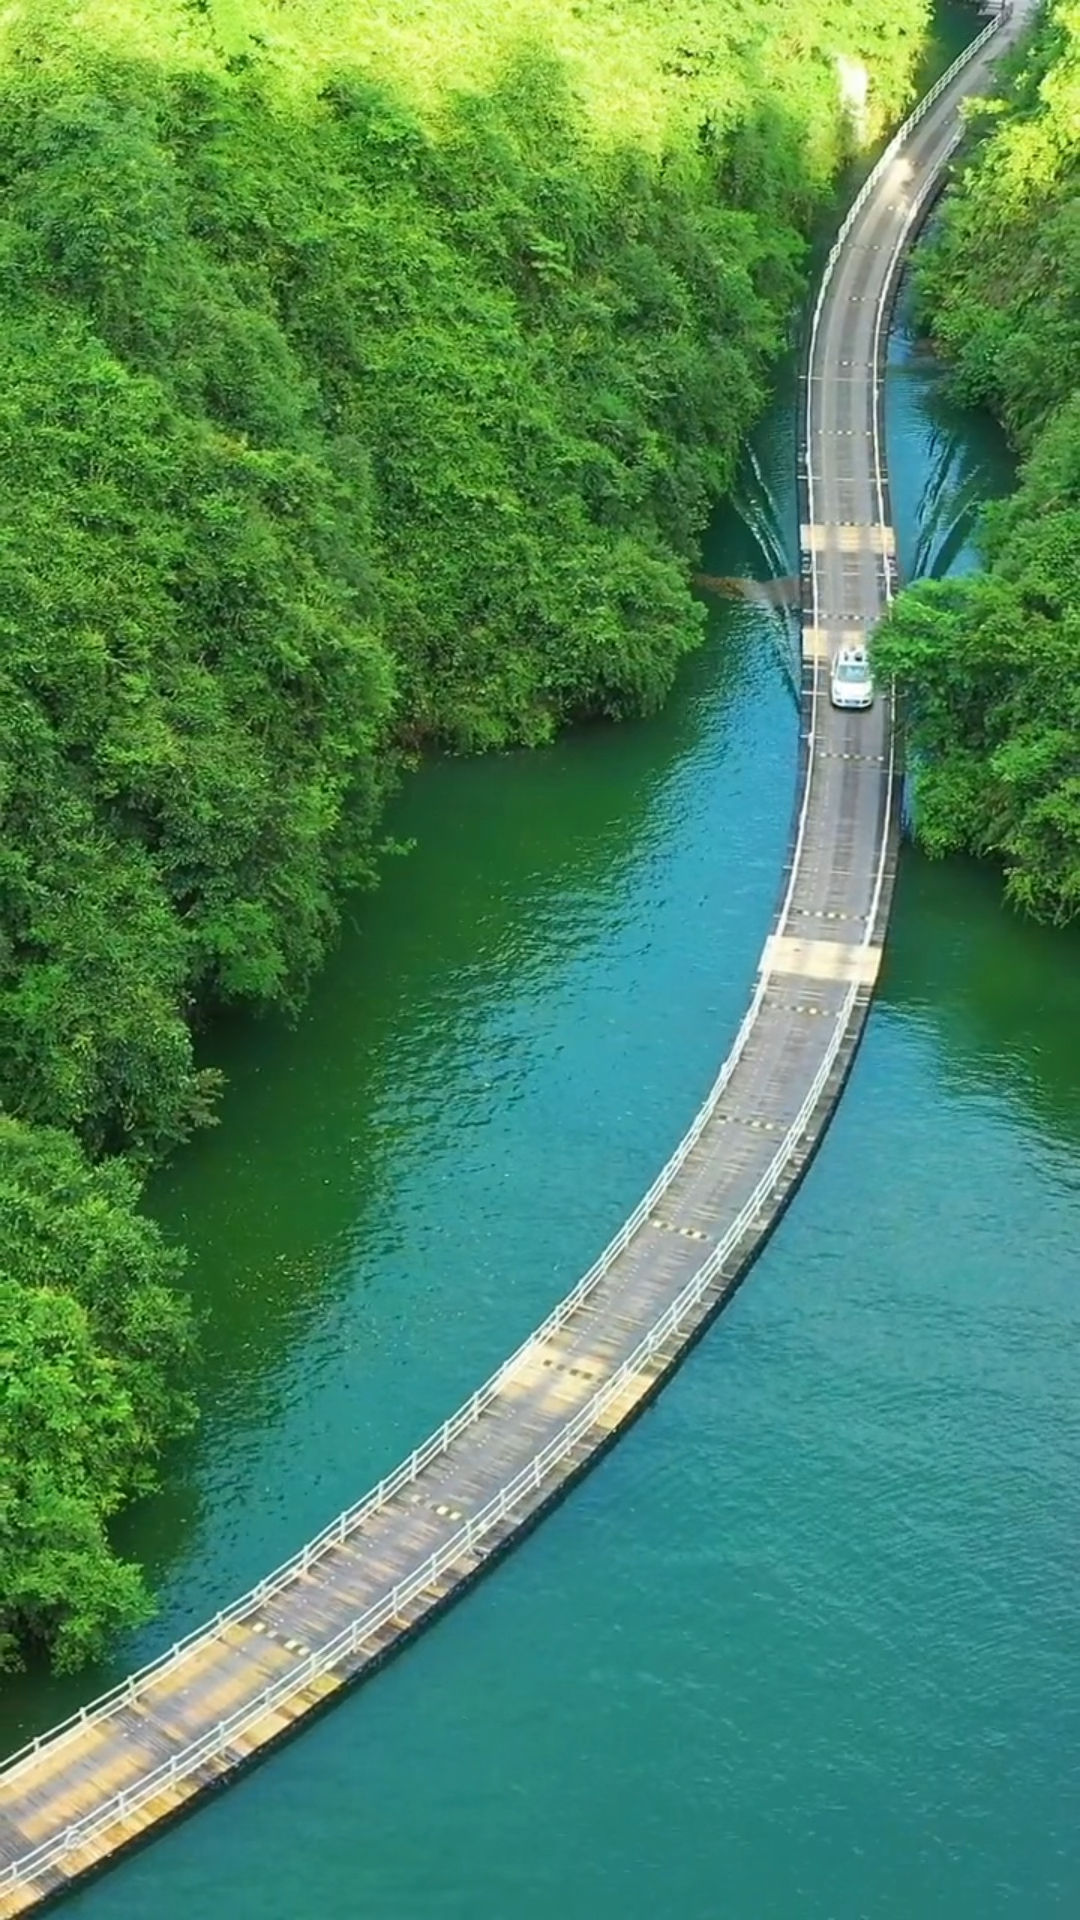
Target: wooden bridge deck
{"points": [[81, 1793]]}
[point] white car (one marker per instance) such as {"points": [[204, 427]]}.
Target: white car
{"points": [[852, 683]]}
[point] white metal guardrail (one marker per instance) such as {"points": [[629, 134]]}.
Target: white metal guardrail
{"points": [[183, 1764], [903, 133]]}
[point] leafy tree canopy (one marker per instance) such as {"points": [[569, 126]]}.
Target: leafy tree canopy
{"points": [[93, 1341]]}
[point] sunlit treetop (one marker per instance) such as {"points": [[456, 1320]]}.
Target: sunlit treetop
{"points": [[710, 55]]}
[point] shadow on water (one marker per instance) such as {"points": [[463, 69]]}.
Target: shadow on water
{"points": [[998, 997]]}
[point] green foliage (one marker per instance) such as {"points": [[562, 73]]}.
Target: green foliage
{"points": [[1000, 279], [366, 378], [990, 665], [93, 1340]]}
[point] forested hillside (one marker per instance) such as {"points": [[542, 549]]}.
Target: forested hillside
{"points": [[366, 375], [991, 664]]}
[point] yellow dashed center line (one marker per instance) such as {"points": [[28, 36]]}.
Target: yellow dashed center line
{"points": [[688, 1233]]}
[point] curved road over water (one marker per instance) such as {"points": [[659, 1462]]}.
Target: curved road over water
{"points": [[78, 1795]]}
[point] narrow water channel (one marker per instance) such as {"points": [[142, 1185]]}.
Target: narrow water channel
{"points": [[805, 1643]]}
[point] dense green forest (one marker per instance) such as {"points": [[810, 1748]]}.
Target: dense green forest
{"points": [[366, 376], [990, 664]]}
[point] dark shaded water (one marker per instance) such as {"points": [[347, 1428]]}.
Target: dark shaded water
{"points": [[805, 1644]]}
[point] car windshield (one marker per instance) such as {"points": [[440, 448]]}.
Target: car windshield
{"points": [[852, 670]]}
